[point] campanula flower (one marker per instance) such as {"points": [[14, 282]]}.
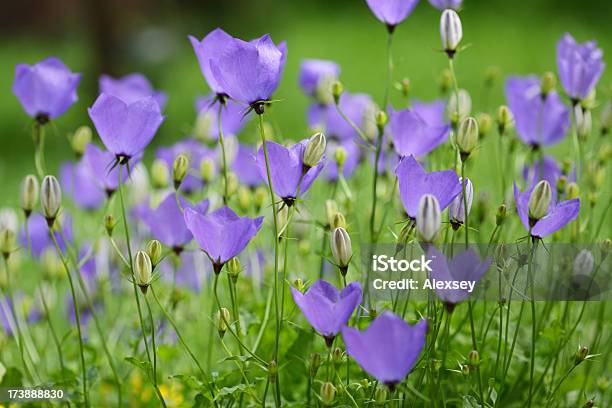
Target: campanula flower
{"points": [[245, 166], [388, 348], [40, 239], [101, 171], [78, 183], [233, 116], [557, 216], [287, 169], [125, 128], [316, 77], [419, 129], [46, 89], [580, 66], [131, 88], [195, 153], [392, 12], [250, 71], [326, 308], [414, 182], [208, 49], [456, 210], [359, 108], [446, 4], [539, 120], [221, 234], [547, 169]]}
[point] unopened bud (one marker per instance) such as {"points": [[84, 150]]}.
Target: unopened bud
{"points": [[572, 190], [337, 90], [160, 175], [331, 209], [456, 210], [581, 354], [29, 194], [299, 284], [50, 198], [339, 221], [461, 111], [381, 120], [328, 394], [465, 369], [109, 224], [548, 84], [314, 364], [404, 87], [207, 170], [337, 356], [143, 270], [446, 80], [590, 102], [561, 183], [584, 121], [341, 248], [340, 155], [245, 197], [474, 358], [428, 218], [7, 242], [500, 216], [505, 119], [451, 31], [272, 370], [222, 318], [154, 250], [260, 197], [80, 139], [539, 201], [467, 137], [314, 150], [606, 246], [380, 396], [179, 169], [232, 183], [234, 268], [485, 124]]}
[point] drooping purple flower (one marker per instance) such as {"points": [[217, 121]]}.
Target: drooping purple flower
{"points": [[540, 120], [102, 173], [46, 89], [353, 157], [287, 169], [250, 71], [419, 129], [245, 166], [40, 238], [414, 182], [466, 266], [233, 118], [221, 234], [195, 152], [559, 214], [580, 66], [125, 129], [315, 73], [326, 308], [211, 48], [359, 108], [167, 223], [388, 348], [392, 12], [446, 4], [131, 88], [77, 182]]}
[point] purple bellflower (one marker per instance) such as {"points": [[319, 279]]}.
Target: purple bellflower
{"points": [[559, 214], [195, 152], [546, 168], [233, 116], [392, 12], [77, 182], [388, 348], [446, 4], [326, 308], [101, 171], [46, 89], [414, 182], [316, 73], [125, 129], [580, 66], [40, 239], [419, 129], [221, 234], [540, 120], [208, 49], [245, 166], [287, 169], [131, 88]]}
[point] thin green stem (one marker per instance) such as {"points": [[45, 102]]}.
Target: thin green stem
{"points": [[52, 329], [39, 149], [466, 223], [475, 348], [533, 318], [222, 143]]}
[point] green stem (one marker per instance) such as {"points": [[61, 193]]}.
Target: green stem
{"points": [[389, 71], [39, 149], [465, 205], [475, 348], [222, 143], [52, 329], [533, 318], [235, 311]]}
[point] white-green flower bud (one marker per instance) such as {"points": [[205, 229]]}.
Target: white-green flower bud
{"points": [[109, 224], [260, 196], [548, 84], [451, 31], [428, 218], [339, 221], [341, 248], [29, 194], [143, 270], [323, 91], [572, 190], [207, 170], [160, 174], [179, 169], [222, 317], [467, 137], [381, 120], [154, 250], [80, 139], [245, 198], [340, 155], [380, 396], [328, 394], [331, 209], [50, 198], [485, 123], [314, 150], [505, 119], [539, 201], [337, 88], [8, 219], [202, 125], [590, 102], [465, 106], [234, 268], [8, 242], [584, 121], [446, 80]]}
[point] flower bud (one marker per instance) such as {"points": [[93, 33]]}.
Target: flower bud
{"points": [[80, 139], [50, 198], [337, 356], [207, 170], [500, 216], [202, 125], [404, 87], [7, 242], [380, 396], [337, 90], [341, 248], [561, 183], [572, 190], [584, 263], [222, 318], [451, 31], [505, 119], [381, 120], [234, 268], [459, 113], [328, 394], [29, 194], [314, 150], [485, 123], [232, 183], [581, 354], [299, 284], [548, 84], [467, 137], [260, 197], [474, 358], [109, 224], [339, 221], [154, 250], [606, 246], [456, 210], [590, 102], [605, 118], [465, 369], [539, 201], [160, 175], [584, 121], [143, 270], [446, 80], [331, 209], [272, 370], [428, 218], [313, 364], [179, 169], [245, 198]]}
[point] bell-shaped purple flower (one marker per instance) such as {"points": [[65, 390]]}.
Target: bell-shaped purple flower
{"points": [[40, 238], [546, 168], [221, 234], [464, 267], [131, 88], [419, 129], [315, 73], [456, 210], [167, 223], [77, 182], [211, 48], [540, 120], [250, 71], [46, 89], [446, 4], [125, 129], [414, 182], [195, 152], [580, 66], [388, 348], [287, 169], [233, 118], [359, 108], [392, 12], [245, 166], [102, 173], [326, 308], [558, 214]]}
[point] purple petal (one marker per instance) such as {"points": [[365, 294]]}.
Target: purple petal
{"points": [[131, 88], [558, 217], [391, 12], [210, 47]]}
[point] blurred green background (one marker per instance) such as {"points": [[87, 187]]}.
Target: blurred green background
{"points": [[122, 36]]}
